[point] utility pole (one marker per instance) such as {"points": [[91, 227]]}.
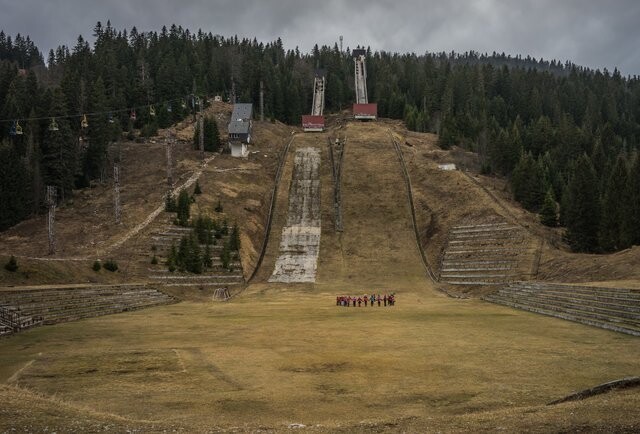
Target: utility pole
{"points": [[201, 127], [169, 163], [169, 169], [51, 220], [233, 91], [116, 188], [262, 100], [341, 39]]}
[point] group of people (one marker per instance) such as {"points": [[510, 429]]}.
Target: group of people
{"points": [[368, 300]]}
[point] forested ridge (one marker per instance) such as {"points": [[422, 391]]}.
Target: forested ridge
{"points": [[566, 136]]}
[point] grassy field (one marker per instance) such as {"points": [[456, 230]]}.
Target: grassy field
{"points": [[277, 356]]}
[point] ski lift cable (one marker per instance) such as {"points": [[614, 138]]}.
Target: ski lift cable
{"points": [[91, 114]]}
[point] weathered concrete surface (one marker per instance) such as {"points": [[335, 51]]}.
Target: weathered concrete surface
{"points": [[300, 241]]}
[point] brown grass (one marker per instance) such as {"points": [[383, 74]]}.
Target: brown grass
{"points": [[288, 356]]}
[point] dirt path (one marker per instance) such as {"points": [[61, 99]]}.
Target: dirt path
{"points": [[160, 209]]}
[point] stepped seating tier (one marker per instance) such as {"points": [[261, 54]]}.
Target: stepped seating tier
{"points": [[167, 235], [485, 254], [611, 309], [56, 305]]}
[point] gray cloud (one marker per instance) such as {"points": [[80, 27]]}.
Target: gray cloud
{"points": [[591, 32]]}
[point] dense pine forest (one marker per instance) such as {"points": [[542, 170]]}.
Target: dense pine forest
{"points": [[566, 136]]}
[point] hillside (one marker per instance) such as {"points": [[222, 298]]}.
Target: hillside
{"points": [[85, 226]]}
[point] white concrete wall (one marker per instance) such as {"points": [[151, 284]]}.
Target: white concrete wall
{"points": [[239, 150]]}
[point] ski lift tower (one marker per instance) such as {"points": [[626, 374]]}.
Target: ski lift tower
{"points": [[362, 109], [315, 121]]}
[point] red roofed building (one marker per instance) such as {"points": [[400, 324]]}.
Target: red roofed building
{"points": [[312, 123], [365, 111]]}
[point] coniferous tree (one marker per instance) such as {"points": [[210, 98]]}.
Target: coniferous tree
{"points": [[634, 201], [528, 183], [615, 210], [59, 151], [582, 213], [183, 208], [549, 211], [15, 194], [98, 133]]}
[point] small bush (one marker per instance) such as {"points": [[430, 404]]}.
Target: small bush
{"points": [[149, 130], [96, 266], [154, 248], [111, 265], [154, 260], [170, 204], [197, 189], [219, 207], [12, 265]]}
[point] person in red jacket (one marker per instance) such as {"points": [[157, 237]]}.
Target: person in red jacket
{"points": [[365, 299], [359, 301], [354, 301]]}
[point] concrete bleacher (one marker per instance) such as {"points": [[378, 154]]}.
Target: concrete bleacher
{"points": [[61, 304], [166, 235], [607, 308], [486, 254], [12, 320]]}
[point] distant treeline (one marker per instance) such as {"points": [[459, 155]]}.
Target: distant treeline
{"points": [[566, 136]]}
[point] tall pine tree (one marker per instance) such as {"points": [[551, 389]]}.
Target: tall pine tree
{"points": [[582, 202]]}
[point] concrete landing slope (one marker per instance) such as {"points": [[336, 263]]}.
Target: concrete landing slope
{"points": [[377, 249], [300, 239]]}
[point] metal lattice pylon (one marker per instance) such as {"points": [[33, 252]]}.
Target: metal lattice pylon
{"points": [[169, 149], [51, 199], [116, 188], [201, 127]]}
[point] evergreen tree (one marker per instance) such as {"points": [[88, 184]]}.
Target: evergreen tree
{"points": [[582, 213], [99, 133], [59, 151], [234, 239], [528, 183], [207, 260], [615, 210], [183, 208], [634, 201], [549, 211], [15, 192], [11, 265]]}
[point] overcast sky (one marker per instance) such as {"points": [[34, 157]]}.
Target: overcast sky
{"points": [[593, 33]]}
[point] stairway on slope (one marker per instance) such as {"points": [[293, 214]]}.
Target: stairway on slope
{"points": [[167, 235], [607, 308], [485, 254], [12, 320], [54, 305]]}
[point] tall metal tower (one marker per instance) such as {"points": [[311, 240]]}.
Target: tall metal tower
{"points": [[116, 193], [169, 162], [51, 200], [341, 39], [261, 100], [201, 136]]}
